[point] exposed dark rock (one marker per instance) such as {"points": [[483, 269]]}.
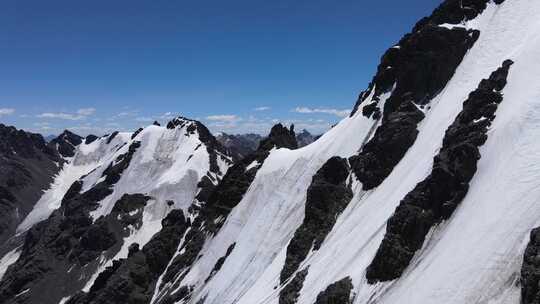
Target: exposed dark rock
{"points": [[130, 202], [66, 143], [27, 166], [132, 249], [206, 186], [371, 110], [111, 137], [114, 170], [194, 241], [530, 270], [336, 293], [388, 145], [290, 293], [280, 137], [414, 71], [132, 280], [155, 123], [456, 11], [220, 262], [139, 130], [438, 195], [23, 144], [90, 139], [327, 196]]}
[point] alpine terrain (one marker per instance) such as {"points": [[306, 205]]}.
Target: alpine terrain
{"points": [[429, 192]]}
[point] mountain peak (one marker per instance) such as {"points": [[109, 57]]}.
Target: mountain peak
{"points": [[279, 137], [66, 142]]}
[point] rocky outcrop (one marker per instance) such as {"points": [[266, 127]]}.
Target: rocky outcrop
{"points": [[390, 142], [290, 292], [66, 143], [413, 72], [327, 196], [90, 139], [132, 280], [438, 195], [530, 270], [111, 137], [27, 166], [337, 293]]}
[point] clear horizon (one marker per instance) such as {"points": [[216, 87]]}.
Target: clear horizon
{"points": [[239, 67]]}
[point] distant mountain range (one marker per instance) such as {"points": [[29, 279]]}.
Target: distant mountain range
{"points": [[241, 145]]}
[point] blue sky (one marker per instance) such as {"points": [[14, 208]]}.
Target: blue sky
{"points": [[238, 65]]}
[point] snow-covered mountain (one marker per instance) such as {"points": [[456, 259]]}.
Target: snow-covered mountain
{"points": [[427, 193]]}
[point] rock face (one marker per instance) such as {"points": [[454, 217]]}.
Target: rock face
{"points": [[28, 165], [66, 143], [327, 197], [530, 270], [412, 73], [337, 293], [132, 280], [290, 292], [436, 197]]}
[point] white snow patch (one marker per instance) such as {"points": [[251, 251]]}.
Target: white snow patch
{"points": [[7, 260]]}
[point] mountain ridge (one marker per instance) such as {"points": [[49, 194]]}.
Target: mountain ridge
{"points": [[426, 193]]}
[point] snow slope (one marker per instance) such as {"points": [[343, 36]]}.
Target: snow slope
{"points": [[474, 257], [167, 167]]}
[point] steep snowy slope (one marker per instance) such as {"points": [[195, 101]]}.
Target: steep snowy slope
{"points": [[427, 193], [474, 253], [27, 166], [112, 192]]}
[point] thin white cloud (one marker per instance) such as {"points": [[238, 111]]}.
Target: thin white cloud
{"points": [[78, 115], [86, 111], [144, 119], [65, 116], [6, 111], [261, 109], [168, 115], [223, 118], [336, 112]]}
